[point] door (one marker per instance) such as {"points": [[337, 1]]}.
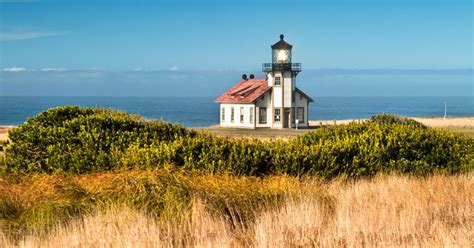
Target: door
{"points": [[287, 118]]}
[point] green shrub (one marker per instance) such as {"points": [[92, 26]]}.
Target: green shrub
{"points": [[356, 149], [72, 139], [361, 149], [395, 119]]}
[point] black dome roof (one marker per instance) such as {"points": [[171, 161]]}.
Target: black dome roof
{"points": [[281, 44]]}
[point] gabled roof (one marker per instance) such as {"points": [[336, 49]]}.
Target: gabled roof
{"points": [[302, 93], [246, 91]]}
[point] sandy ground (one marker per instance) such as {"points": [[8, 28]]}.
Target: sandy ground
{"points": [[428, 121], [448, 122], [453, 122], [4, 132]]}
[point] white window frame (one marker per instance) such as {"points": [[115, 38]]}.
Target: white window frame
{"points": [[302, 113], [277, 115], [223, 114], [232, 112], [262, 119], [279, 81], [251, 115]]}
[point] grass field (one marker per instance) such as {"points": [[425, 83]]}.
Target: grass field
{"points": [[167, 205], [389, 210]]}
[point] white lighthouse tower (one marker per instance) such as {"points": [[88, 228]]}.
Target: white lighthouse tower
{"points": [[281, 74]]}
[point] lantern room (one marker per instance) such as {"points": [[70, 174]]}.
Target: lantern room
{"points": [[281, 58], [281, 51]]}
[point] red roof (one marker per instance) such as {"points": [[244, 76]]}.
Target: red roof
{"points": [[246, 91]]}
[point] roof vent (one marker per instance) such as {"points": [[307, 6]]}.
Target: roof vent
{"points": [[252, 76], [244, 76]]}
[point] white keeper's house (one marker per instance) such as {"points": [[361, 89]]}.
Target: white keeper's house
{"points": [[273, 101]]}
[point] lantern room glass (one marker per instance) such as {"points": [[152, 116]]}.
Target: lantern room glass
{"points": [[281, 56]]}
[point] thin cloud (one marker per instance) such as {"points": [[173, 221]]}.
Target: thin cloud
{"points": [[173, 68], [14, 69], [60, 69], [19, 1], [137, 69], [27, 35]]}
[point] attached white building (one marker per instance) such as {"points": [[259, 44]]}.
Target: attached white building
{"points": [[273, 102]]}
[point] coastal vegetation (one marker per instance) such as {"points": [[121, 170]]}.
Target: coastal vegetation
{"points": [[92, 177], [80, 140], [169, 208]]}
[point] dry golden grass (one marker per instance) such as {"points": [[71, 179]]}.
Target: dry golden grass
{"points": [[386, 211]]}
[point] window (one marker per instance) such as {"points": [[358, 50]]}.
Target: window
{"points": [[262, 115], [300, 114], [277, 115], [232, 114], [241, 114], [277, 80], [251, 114], [223, 114]]}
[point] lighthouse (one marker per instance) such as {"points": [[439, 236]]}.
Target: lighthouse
{"points": [[281, 74], [273, 101]]}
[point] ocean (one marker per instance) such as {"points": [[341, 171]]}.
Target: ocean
{"points": [[202, 111]]}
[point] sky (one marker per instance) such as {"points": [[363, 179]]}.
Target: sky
{"points": [[168, 47]]}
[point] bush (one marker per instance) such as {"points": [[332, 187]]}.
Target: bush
{"points": [[371, 147], [395, 119], [72, 139], [78, 140]]}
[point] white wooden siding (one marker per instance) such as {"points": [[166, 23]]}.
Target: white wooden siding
{"points": [[227, 122]]}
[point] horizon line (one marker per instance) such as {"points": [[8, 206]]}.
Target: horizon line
{"points": [[187, 96], [63, 70]]}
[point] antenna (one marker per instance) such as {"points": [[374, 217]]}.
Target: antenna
{"points": [[444, 109]]}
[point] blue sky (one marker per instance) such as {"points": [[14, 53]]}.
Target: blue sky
{"points": [[236, 34], [115, 36]]}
